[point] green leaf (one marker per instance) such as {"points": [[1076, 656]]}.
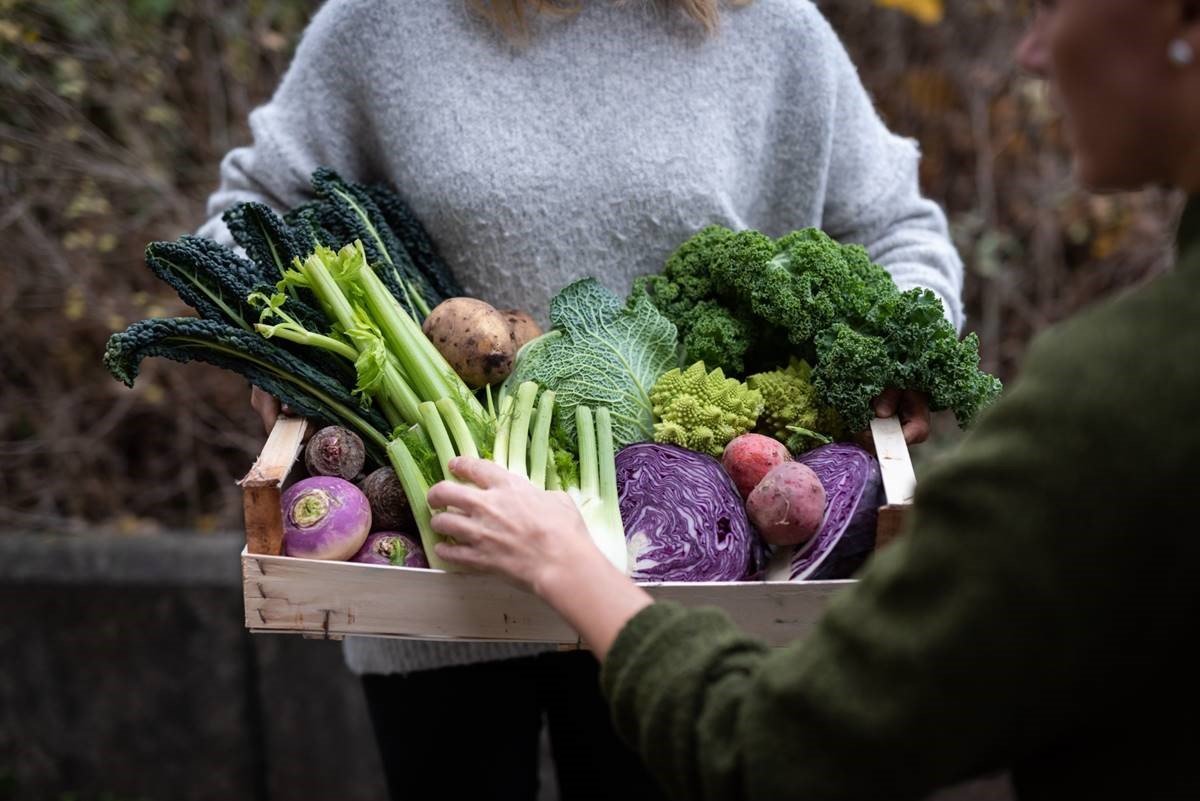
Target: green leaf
{"points": [[600, 352], [269, 367]]}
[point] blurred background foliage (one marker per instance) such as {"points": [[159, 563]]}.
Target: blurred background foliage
{"points": [[114, 116]]}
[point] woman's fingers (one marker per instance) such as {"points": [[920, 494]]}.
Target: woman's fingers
{"points": [[916, 429], [447, 494], [266, 406], [480, 472], [459, 554], [915, 419], [457, 526], [885, 404]]}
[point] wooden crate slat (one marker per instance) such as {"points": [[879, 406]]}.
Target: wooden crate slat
{"points": [[262, 486], [335, 599]]}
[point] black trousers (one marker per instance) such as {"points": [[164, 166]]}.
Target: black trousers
{"points": [[473, 732]]}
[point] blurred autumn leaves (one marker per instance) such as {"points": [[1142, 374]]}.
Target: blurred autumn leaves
{"points": [[113, 117], [928, 12]]}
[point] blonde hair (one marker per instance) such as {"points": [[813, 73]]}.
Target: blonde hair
{"points": [[512, 16]]}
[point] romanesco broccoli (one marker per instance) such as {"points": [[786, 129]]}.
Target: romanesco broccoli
{"points": [[792, 413], [702, 411]]}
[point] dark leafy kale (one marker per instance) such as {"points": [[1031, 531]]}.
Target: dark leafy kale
{"points": [[415, 239], [286, 376], [269, 242], [210, 278], [350, 214]]}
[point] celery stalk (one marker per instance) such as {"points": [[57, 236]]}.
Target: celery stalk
{"points": [[415, 487], [463, 441], [606, 463], [438, 435], [503, 426], [589, 480], [518, 438], [539, 450]]}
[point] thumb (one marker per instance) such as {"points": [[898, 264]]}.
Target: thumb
{"points": [[885, 405]]}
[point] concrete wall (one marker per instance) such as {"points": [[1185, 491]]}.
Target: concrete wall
{"points": [[125, 672]]}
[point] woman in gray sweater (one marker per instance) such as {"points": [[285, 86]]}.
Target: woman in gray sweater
{"points": [[593, 146]]}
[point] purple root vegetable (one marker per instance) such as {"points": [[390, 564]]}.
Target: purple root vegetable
{"points": [[390, 510], [788, 505], [391, 548], [324, 517], [335, 451]]}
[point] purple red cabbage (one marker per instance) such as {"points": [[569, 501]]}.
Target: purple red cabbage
{"points": [[684, 519], [854, 492]]}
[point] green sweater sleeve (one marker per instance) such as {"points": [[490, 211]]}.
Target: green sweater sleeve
{"points": [[1022, 609]]}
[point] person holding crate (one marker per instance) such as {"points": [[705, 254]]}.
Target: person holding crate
{"points": [[540, 142], [1031, 617]]}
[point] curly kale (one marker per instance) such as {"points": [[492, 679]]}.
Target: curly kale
{"points": [[702, 411], [742, 299], [685, 293]]}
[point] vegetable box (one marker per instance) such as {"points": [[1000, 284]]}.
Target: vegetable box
{"points": [[329, 600]]}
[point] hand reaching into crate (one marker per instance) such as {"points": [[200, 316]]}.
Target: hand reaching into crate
{"points": [[502, 524]]}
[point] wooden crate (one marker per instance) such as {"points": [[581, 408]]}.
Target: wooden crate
{"points": [[333, 599]]}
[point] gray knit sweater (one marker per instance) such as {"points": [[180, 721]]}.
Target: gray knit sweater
{"points": [[594, 150]]}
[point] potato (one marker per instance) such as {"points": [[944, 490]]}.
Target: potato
{"points": [[748, 458], [474, 338], [521, 325], [788, 505]]}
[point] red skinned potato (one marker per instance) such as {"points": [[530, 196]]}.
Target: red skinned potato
{"points": [[521, 326], [474, 338], [750, 457], [788, 505]]}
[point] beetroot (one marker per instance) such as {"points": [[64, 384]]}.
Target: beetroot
{"points": [[335, 451], [390, 510]]}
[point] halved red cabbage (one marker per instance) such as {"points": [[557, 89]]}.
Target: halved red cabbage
{"points": [[854, 493], [684, 519]]}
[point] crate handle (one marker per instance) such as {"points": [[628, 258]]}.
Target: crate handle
{"points": [[262, 486], [899, 480]]}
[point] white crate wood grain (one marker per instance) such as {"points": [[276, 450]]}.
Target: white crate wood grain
{"points": [[331, 600]]}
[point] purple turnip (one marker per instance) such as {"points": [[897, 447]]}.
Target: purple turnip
{"points": [[335, 451], [391, 548], [324, 517]]}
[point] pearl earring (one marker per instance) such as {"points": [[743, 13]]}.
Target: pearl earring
{"points": [[1180, 53]]}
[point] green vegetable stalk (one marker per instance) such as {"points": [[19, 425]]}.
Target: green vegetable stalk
{"points": [[523, 445]]}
